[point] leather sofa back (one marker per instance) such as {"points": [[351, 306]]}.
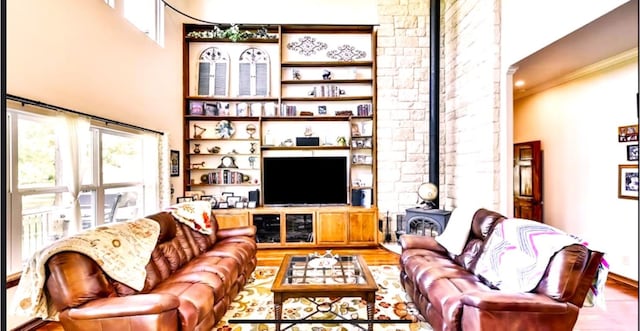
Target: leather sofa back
{"points": [[481, 226], [75, 279]]}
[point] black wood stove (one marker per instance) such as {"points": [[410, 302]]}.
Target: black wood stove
{"points": [[426, 222]]}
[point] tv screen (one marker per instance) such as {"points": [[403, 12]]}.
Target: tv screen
{"points": [[305, 180]]}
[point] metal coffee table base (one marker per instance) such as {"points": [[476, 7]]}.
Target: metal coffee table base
{"points": [[326, 307]]}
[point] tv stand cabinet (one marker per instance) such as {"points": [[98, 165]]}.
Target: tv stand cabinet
{"points": [[325, 227]]}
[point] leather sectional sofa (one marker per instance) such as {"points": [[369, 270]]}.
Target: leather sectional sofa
{"points": [[191, 279], [451, 296]]}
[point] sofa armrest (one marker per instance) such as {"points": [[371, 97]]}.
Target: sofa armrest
{"points": [[248, 231], [412, 241], [497, 300], [118, 307]]}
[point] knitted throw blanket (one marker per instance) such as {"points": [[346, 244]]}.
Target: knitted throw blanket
{"points": [[122, 250], [517, 253]]}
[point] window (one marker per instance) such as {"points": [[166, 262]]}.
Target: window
{"points": [[146, 15], [116, 169]]}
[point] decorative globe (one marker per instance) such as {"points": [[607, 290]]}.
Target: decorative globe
{"points": [[427, 191]]}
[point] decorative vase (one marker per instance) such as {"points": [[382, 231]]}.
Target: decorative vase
{"points": [[196, 148]]}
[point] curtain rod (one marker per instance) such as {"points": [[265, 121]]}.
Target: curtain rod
{"points": [[24, 101]]}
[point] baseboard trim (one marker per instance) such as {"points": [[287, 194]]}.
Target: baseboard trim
{"points": [[31, 325], [623, 280]]}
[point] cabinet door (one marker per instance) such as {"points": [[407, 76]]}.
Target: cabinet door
{"points": [[228, 219], [362, 227], [332, 227]]}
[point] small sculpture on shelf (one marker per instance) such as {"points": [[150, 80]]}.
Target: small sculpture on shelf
{"points": [[198, 131], [252, 161], [214, 149], [296, 74], [326, 74], [197, 165], [251, 130], [252, 149], [308, 131], [196, 148]]}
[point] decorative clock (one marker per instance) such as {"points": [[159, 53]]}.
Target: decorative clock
{"points": [[228, 161]]}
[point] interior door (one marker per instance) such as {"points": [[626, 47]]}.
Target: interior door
{"points": [[527, 181]]}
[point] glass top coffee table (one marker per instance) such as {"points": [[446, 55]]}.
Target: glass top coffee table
{"points": [[335, 277]]}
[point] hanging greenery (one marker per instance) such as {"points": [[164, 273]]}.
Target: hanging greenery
{"points": [[233, 33]]}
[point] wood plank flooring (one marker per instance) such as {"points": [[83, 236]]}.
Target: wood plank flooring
{"points": [[621, 313]]}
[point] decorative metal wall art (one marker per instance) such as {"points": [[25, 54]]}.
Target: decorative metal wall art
{"points": [[346, 53], [307, 46]]}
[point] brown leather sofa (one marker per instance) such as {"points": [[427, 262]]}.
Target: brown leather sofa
{"points": [[191, 279], [451, 297]]}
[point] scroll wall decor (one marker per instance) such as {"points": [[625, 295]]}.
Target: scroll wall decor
{"points": [[346, 53], [307, 46]]}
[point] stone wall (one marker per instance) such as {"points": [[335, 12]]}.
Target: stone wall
{"points": [[469, 103]]}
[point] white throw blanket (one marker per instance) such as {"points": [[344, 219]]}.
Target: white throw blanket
{"points": [[195, 214], [122, 250]]}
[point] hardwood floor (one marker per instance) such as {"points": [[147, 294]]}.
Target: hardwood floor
{"points": [[621, 313]]}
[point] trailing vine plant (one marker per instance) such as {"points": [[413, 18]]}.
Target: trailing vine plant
{"points": [[233, 33]]}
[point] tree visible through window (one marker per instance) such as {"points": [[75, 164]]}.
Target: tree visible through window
{"points": [[118, 173]]}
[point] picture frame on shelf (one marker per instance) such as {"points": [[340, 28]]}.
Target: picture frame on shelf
{"points": [[632, 152], [196, 108], [223, 205], [233, 201], [240, 205], [196, 195], [174, 161], [628, 133], [628, 181], [241, 109], [184, 199], [211, 109]]}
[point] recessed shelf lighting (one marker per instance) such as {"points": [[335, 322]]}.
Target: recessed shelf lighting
{"points": [[519, 83]]}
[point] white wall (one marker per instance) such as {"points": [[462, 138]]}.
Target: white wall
{"points": [[85, 56], [525, 28], [528, 26], [577, 124], [285, 11]]}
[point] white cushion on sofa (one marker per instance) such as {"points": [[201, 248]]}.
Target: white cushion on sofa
{"points": [[454, 237]]}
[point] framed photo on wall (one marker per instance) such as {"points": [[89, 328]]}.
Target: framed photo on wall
{"points": [[174, 158], [632, 152], [628, 181], [628, 133]]}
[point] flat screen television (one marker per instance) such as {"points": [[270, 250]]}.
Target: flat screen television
{"points": [[317, 180]]}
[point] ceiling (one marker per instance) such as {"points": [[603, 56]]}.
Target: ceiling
{"points": [[607, 36]]}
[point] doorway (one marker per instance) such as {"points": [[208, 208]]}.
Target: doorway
{"points": [[527, 181]]}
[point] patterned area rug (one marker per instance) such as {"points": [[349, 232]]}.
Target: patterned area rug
{"points": [[255, 301]]}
